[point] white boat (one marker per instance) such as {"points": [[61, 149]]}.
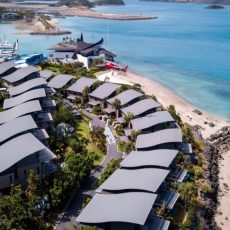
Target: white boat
{"points": [[6, 45]]}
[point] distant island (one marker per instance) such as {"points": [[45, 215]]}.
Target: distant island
{"points": [[109, 2], [224, 2], [215, 7], [90, 4]]}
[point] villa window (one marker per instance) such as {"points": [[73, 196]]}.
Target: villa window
{"points": [[25, 173], [38, 170], [11, 179]]}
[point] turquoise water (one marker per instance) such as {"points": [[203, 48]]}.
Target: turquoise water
{"points": [[187, 49]]}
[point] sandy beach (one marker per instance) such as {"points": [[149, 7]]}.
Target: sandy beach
{"points": [[166, 97], [37, 27], [223, 215]]}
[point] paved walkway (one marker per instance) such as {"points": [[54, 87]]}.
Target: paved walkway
{"points": [[74, 206]]}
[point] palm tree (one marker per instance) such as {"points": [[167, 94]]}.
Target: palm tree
{"points": [[85, 94], [116, 104], [128, 117], [134, 134]]}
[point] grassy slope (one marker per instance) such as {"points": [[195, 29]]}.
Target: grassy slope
{"points": [[83, 129]]}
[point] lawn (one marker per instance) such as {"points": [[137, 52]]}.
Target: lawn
{"points": [[83, 129]]}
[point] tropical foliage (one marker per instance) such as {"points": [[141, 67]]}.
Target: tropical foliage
{"points": [[70, 177], [18, 210], [99, 138], [109, 169]]}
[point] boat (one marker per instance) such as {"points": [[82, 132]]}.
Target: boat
{"points": [[33, 59], [6, 45]]}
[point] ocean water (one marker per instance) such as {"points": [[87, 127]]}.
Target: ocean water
{"points": [[187, 48]]}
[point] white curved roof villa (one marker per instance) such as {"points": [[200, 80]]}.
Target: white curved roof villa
{"points": [[130, 207], [140, 107], [20, 74], [27, 96], [60, 81], [151, 120], [31, 84], [104, 91], [165, 136], [18, 148], [6, 66], [16, 126], [145, 179], [20, 110], [126, 96], [80, 84], [158, 157]]}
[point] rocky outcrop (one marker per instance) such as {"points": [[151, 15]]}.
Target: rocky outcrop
{"points": [[216, 146]]}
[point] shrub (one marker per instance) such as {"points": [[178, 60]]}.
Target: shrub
{"points": [[97, 110]]}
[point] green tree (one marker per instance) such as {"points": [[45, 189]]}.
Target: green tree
{"points": [[33, 188], [188, 192], [109, 169], [134, 134], [17, 213], [63, 115], [128, 117], [85, 95], [77, 169], [176, 117]]}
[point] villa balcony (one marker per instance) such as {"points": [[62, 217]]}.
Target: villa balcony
{"points": [[47, 103], [44, 117], [41, 134], [49, 167], [167, 198], [177, 175], [46, 155], [156, 223]]}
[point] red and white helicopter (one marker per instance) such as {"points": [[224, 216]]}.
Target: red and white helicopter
{"points": [[114, 66]]}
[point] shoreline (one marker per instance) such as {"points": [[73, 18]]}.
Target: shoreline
{"points": [[79, 12], [166, 97], [37, 27]]}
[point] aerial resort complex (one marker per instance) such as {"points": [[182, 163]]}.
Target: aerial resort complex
{"points": [[114, 115], [56, 114]]}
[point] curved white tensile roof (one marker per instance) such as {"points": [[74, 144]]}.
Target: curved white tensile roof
{"points": [[104, 90], [17, 149], [151, 120], [20, 110], [126, 96], [60, 81], [160, 137], [20, 74], [27, 96], [16, 126], [37, 82], [140, 107], [144, 179], [5, 66], [46, 74], [159, 157], [80, 84], [130, 207]]}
